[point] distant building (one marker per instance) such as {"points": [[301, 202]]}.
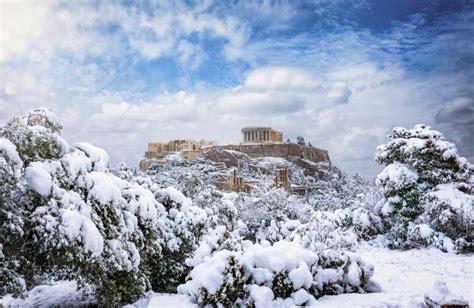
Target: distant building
{"points": [[187, 149], [261, 135]]}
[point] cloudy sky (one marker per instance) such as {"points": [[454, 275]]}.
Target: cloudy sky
{"points": [[340, 73]]}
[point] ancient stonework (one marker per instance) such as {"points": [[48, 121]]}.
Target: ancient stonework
{"points": [[261, 135], [285, 150], [187, 149], [256, 142], [234, 182], [283, 180]]}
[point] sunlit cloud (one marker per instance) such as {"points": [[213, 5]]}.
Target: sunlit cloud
{"points": [[340, 73]]}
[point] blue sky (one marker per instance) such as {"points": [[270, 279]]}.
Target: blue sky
{"points": [[341, 73]]}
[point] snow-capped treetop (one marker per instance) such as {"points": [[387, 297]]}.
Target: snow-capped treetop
{"points": [[99, 157], [42, 117], [427, 152]]}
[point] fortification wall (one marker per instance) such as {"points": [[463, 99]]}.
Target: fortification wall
{"points": [[285, 150]]}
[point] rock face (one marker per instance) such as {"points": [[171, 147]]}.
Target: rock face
{"points": [[314, 161], [284, 150]]}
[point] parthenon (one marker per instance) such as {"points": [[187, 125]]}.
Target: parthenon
{"points": [[261, 135]]}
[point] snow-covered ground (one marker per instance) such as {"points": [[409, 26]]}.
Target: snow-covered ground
{"points": [[405, 276]]}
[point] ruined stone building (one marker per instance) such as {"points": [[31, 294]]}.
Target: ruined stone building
{"points": [[256, 142], [158, 149], [186, 148], [283, 180], [233, 182], [261, 135]]}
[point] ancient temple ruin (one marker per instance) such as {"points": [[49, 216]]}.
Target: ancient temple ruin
{"points": [[261, 135], [256, 142]]}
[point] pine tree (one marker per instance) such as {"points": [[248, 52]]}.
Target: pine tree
{"points": [[423, 178], [300, 140]]}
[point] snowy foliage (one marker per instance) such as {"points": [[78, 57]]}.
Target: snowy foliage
{"points": [[65, 215], [425, 183], [284, 273], [118, 233]]}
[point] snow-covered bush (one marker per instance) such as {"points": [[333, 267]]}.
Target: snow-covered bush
{"points": [[339, 229], [123, 171], [425, 181], [219, 206], [284, 273], [64, 215], [339, 191], [183, 227], [265, 213]]}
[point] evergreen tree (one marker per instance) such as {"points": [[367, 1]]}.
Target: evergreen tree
{"points": [[300, 140], [424, 181]]}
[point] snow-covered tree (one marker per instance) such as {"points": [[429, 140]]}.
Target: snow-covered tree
{"points": [[64, 215], [10, 219], [424, 181]]}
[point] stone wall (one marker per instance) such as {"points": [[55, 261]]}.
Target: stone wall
{"points": [[285, 150]]}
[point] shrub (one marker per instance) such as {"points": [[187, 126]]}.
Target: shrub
{"points": [[269, 274]]}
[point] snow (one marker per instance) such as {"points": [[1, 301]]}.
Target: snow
{"points": [[450, 195], [282, 255], [142, 202], [176, 196], [103, 187], [300, 297], [441, 295], [262, 295], [77, 225], [164, 300], [397, 174], [42, 116], [38, 178], [93, 240], [207, 275], [98, 156], [71, 222], [405, 276], [301, 276], [76, 163], [425, 231], [353, 275], [10, 151], [62, 293]]}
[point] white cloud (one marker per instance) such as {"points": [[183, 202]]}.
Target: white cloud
{"points": [[268, 102], [39, 30], [358, 143], [337, 90], [282, 79], [271, 91], [326, 117]]}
